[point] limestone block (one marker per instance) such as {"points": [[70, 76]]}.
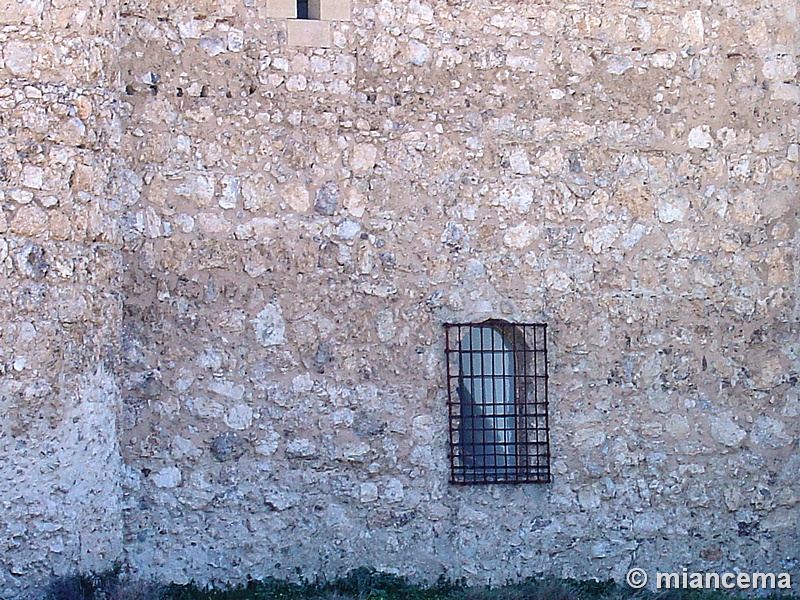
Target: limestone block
{"points": [[692, 23], [14, 12], [297, 197], [169, 477], [30, 221], [362, 159], [519, 236], [330, 10], [300, 448], [368, 492], [281, 9], [309, 33], [417, 53], [235, 40], [71, 132], [19, 58], [226, 388], [239, 417], [699, 137], [32, 177], [270, 327], [519, 161], [296, 83], [726, 432]]}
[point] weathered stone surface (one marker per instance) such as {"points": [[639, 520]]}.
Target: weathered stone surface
{"points": [[29, 221], [362, 159], [31, 262], [297, 197], [300, 448], [726, 431], [327, 199], [258, 242], [16, 13], [169, 477], [270, 327], [520, 236], [239, 417], [227, 447], [19, 58], [700, 137], [519, 161]]}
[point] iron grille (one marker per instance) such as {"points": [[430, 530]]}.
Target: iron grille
{"points": [[497, 402]]}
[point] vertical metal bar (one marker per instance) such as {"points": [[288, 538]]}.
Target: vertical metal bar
{"points": [[482, 382], [472, 450], [499, 422], [465, 448], [546, 405], [524, 425], [518, 400], [536, 401], [447, 328]]}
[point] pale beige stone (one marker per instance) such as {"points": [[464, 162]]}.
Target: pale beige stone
{"points": [[699, 137], [59, 226], [602, 238], [281, 9], [29, 220], [330, 10], [28, 12], [71, 132], [213, 224], [296, 83], [19, 58], [297, 196], [519, 161], [32, 177], [362, 158], [726, 432], [270, 327], [520, 236], [83, 107], [308, 33], [693, 29]]}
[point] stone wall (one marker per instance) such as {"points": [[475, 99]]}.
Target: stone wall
{"points": [[297, 223], [309, 218], [60, 311]]}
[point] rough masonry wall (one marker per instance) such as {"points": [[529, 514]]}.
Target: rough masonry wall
{"points": [[60, 302], [300, 222]]}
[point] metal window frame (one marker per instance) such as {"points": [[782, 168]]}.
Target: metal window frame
{"points": [[531, 428]]}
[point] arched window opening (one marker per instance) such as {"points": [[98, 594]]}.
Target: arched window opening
{"points": [[497, 384]]}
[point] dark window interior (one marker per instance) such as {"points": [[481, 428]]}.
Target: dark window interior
{"points": [[302, 9]]}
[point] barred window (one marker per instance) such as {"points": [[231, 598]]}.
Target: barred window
{"points": [[497, 402]]}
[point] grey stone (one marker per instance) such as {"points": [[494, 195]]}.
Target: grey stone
{"points": [[327, 199], [31, 261], [227, 447]]}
